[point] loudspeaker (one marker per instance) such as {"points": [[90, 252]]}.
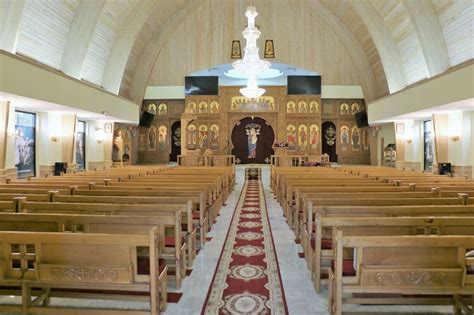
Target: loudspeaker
{"points": [[146, 119], [60, 167], [444, 168]]}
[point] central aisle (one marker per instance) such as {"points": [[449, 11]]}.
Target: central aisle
{"points": [[297, 287], [247, 278]]}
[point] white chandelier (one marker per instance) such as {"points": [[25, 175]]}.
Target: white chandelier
{"points": [[251, 65]]}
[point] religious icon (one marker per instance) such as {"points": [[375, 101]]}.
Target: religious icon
{"points": [[291, 137], [214, 135], [345, 134], [236, 50], [162, 135], [214, 107], [203, 108], [192, 137], [314, 136], [355, 108], [313, 107], [253, 131], [152, 139], [291, 107], [162, 109], [177, 137], [203, 137], [141, 140], [151, 108], [191, 108], [365, 139], [344, 110], [302, 137], [355, 139], [117, 150], [302, 107], [269, 49]]}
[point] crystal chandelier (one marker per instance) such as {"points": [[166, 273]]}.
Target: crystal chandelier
{"points": [[251, 65]]}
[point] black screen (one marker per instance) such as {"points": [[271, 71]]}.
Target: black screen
{"points": [[146, 119], [361, 119], [201, 85], [304, 85]]}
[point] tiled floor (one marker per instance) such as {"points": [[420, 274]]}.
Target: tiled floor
{"points": [[299, 291]]}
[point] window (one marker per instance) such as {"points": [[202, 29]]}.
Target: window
{"points": [[25, 144], [428, 147], [81, 145]]}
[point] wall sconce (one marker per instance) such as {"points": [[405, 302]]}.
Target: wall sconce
{"points": [[54, 138], [455, 138], [99, 135], [409, 140]]}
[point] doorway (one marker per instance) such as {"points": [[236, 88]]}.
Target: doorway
{"points": [[175, 141], [329, 133], [253, 138]]}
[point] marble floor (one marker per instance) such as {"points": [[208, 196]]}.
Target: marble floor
{"points": [[299, 291]]}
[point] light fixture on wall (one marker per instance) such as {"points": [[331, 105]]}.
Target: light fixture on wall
{"points": [[251, 65], [99, 135], [54, 138], [409, 140], [455, 138]]}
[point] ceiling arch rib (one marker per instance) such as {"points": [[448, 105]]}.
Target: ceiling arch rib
{"points": [[10, 20], [430, 35], [386, 46], [353, 46], [124, 43], [79, 36], [153, 48]]}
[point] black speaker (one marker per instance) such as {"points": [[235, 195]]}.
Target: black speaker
{"points": [[361, 119], [444, 168], [60, 167], [146, 119]]}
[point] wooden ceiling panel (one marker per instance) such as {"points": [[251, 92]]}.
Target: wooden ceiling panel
{"points": [[113, 16], [43, 30]]}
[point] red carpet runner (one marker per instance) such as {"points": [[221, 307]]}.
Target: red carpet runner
{"points": [[247, 278]]}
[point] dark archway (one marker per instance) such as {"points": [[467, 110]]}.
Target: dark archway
{"points": [[253, 138], [175, 141], [329, 134]]}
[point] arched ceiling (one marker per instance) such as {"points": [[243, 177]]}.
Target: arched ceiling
{"points": [[115, 44]]}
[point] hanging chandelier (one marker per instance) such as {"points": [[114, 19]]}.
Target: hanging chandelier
{"points": [[251, 65]]}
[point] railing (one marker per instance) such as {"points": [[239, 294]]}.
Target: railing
{"points": [[206, 160], [299, 160]]}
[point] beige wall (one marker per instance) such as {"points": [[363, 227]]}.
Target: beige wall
{"points": [[448, 88], [387, 132], [48, 152], [25, 79]]}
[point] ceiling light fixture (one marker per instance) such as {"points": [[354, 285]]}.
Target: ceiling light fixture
{"points": [[251, 65]]}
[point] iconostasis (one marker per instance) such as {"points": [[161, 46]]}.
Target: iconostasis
{"points": [[307, 124]]}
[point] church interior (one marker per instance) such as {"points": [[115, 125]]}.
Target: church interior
{"points": [[236, 157]]}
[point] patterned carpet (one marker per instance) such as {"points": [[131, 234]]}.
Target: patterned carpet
{"points": [[247, 278]]}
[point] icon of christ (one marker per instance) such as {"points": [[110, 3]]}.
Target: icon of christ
{"points": [[252, 138]]}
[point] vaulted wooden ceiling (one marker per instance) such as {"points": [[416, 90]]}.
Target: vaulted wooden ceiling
{"points": [[116, 43]]}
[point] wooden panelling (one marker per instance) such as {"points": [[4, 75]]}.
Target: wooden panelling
{"points": [[43, 30], [209, 32], [396, 18], [456, 21], [112, 18]]}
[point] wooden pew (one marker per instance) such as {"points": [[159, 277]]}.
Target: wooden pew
{"points": [[178, 250], [402, 265], [72, 264], [320, 250]]}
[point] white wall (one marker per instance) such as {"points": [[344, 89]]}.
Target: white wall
{"points": [[386, 131], [414, 146]]}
